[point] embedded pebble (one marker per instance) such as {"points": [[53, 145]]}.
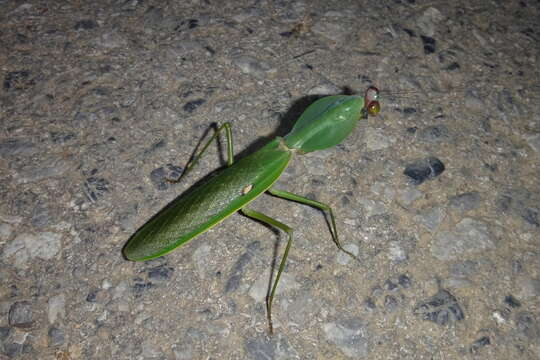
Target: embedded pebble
{"points": [[396, 252], [250, 65], [332, 30], [150, 351], [48, 168], [376, 139], [465, 201], [260, 348], [343, 258], [111, 40], [534, 141], [521, 203], [20, 314], [239, 267], [259, 289], [5, 231], [527, 325], [529, 288], [409, 195], [324, 89], [56, 308], [56, 337], [431, 218], [464, 268], [17, 147], [434, 133], [350, 336], [425, 169], [456, 283], [468, 236], [429, 20], [26, 246]]}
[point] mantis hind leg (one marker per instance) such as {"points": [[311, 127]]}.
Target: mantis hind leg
{"points": [[273, 222], [324, 207], [230, 156]]}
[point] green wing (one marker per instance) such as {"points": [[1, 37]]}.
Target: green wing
{"points": [[204, 206]]}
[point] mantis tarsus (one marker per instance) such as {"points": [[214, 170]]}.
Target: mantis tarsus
{"points": [[324, 124]]}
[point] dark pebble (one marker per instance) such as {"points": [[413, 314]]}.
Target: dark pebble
{"points": [[409, 32], [429, 44], [522, 203], [512, 301], [390, 285], [409, 111], [442, 308], [95, 188], [92, 296], [404, 281], [412, 130], [163, 177], [453, 66], [140, 287], [517, 267], [56, 337], [369, 304], [390, 303], [61, 138], [4, 333], [18, 80], [85, 25], [13, 350], [466, 201], [424, 169], [41, 216], [434, 133], [160, 273], [193, 105], [527, 325], [20, 314], [480, 343], [187, 24]]}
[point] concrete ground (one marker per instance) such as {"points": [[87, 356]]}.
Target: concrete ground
{"points": [[102, 101]]}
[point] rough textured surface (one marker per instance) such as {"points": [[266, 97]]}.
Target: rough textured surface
{"points": [[101, 102]]}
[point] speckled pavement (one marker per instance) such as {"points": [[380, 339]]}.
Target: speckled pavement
{"points": [[101, 102]]}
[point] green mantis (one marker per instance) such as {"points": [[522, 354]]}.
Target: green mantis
{"points": [[324, 124]]}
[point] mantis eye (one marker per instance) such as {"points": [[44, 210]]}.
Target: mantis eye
{"points": [[372, 93], [370, 99], [373, 108]]}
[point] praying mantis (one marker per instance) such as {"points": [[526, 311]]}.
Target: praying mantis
{"points": [[324, 124]]}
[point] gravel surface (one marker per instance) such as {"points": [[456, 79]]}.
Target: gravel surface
{"points": [[101, 102]]}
